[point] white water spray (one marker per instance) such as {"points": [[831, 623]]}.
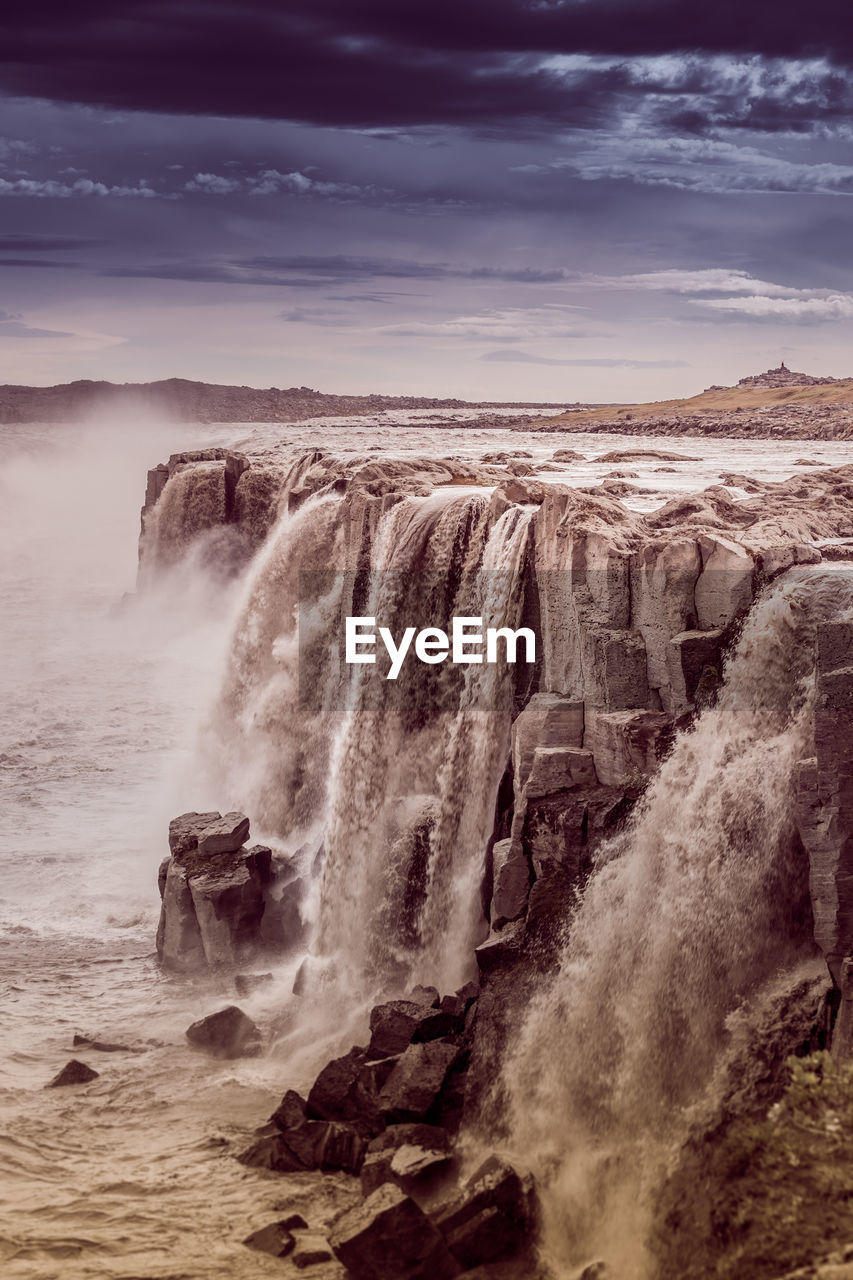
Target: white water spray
{"points": [[688, 915]]}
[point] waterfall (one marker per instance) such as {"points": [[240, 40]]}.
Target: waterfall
{"points": [[689, 914], [385, 788], [448, 739]]}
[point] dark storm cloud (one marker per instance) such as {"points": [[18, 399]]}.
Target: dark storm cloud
{"points": [[323, 271], [40, 263], [387, 64]]}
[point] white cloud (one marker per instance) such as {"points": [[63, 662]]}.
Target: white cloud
{"points": [[511, 324], [213, 184], [271, 182], [704, 280], [741, 294], [638, 153], [51, 189], [836, 306]]}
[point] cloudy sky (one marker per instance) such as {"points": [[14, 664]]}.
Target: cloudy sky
{"points": [[504, 199]]}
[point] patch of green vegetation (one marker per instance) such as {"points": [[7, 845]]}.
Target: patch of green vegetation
{"points": [[785, 1184]]}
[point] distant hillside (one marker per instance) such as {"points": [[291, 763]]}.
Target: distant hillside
{"points": [[179, 400], [777, 403]]}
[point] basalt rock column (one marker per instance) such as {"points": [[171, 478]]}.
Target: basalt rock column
{"points": [[825, 809]]}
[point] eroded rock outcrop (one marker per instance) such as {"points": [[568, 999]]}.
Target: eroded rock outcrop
{"points": [[824, 810], [223, 901]]}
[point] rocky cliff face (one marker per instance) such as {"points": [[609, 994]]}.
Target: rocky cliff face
{"points": [[462, 819], [634, 615]]}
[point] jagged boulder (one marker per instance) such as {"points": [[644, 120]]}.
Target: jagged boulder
{"points": [[424, 1164], [224, 835], [228, 1033], [291, 1111], [393, 1026], [307, 1146], [229, 896], [388, 1237], [416, 1170], [275, 1239], [346, 1090], [494, 1215], [224, 901], [413, 1088], [74, 1072], [511, 877]]}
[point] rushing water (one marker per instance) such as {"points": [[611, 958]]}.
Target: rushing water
{"points": [[103, 704], [691, 914]]}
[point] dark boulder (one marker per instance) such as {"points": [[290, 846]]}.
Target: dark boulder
{"points": [[224, 835], [440, 1023], [309, 1145], [228, 1033], [228, 892], [388, 1237], [184, 831], [290, 1112], [501, 951], [419, 1171], [74, 1072], [344, 1090], [274, 1239], [414, 1085], [295, 1222], [272, 1152], [493, 1216], [393, 1026], [448, 1107]]}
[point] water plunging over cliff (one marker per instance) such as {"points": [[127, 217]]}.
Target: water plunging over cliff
{"points": [[689, 914], [387, 787]]}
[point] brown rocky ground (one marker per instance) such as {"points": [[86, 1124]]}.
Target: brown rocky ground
{"points": [[776, 404]]}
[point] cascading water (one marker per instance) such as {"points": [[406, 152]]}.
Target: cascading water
{"points": [[396, 779], [689, 914]]}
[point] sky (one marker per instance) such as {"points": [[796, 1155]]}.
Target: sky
{"points": [[554, 200]]}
